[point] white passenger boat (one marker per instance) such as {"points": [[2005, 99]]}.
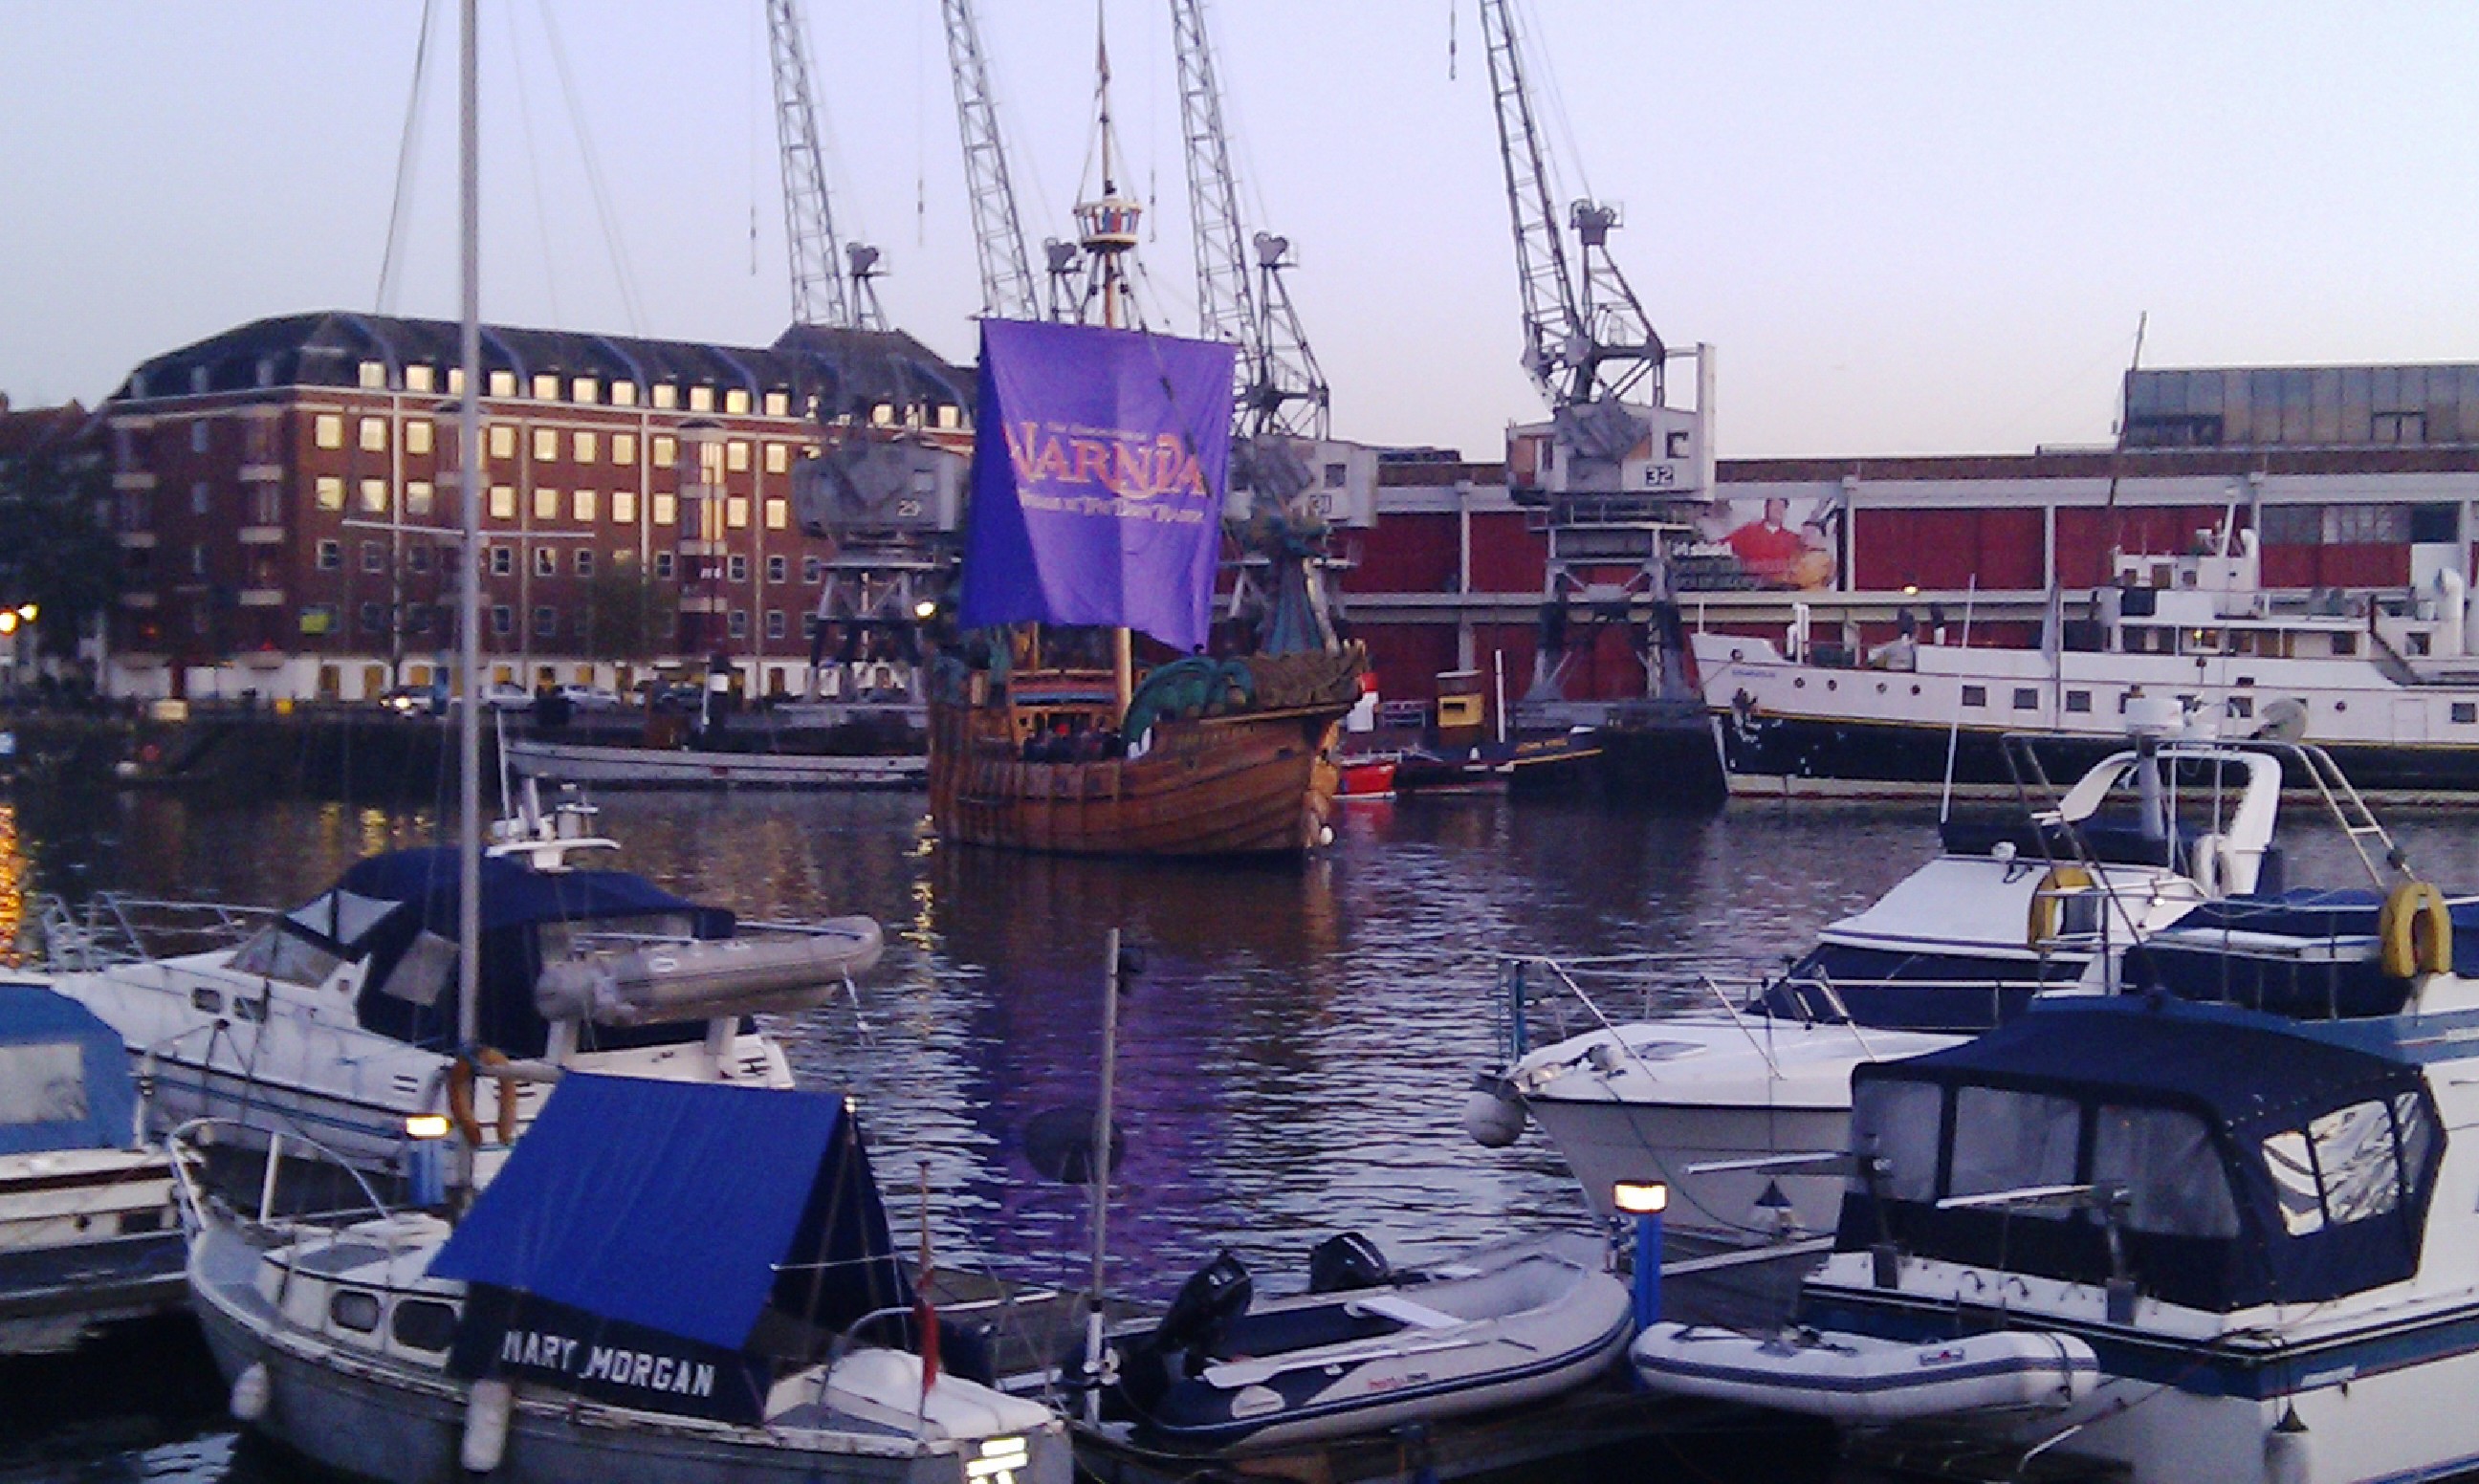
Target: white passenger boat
{"points": [[666, 1282], [86, 1228], [1368, 1348], [2247, 1193], [2387, 684], [2041, 900], [613, 766], [338, 1021]]}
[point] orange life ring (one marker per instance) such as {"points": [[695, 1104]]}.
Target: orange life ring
{"points": [[2416, 928], [461, 1076]]}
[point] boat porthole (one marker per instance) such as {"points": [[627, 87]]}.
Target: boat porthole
{"points": [[1881, 687], [2340, 705], [1798, 682], [1915, 690], [1832, 685], [1738, 654]]}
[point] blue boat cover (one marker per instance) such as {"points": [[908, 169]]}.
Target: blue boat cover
{"points": [[688, 1208], [64, 1079]]}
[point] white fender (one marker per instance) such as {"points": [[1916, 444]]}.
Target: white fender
{"points": [[2209, 858], [487, 1411], [251, 1391], [1491, 1119]]}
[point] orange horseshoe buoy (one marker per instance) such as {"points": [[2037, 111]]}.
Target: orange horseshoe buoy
{"points": [[2416, 928], [461, 1076]]}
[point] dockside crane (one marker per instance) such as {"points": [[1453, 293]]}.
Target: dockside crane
{"points": [[820, 295], [1620, 470], [998, 232]]}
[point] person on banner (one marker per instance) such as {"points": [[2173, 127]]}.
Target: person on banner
{"points": [[1776, 554]]}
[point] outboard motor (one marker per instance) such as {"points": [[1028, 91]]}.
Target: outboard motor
{"points": [[1349, 1261], [1182, 1345]]}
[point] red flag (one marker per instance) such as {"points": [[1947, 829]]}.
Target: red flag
{"points": [[924, 1323]]}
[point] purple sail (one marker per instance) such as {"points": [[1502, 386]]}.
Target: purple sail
{"points": [[1098, 474]]}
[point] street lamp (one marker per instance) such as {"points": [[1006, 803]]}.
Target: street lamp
{"points": [[1645, 1200]]}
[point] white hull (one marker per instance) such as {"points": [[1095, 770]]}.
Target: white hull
{"points": [[86, 1236], [647, 767]]}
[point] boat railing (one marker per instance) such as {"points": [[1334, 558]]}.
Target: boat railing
{"points": [[188, 1144], [1666, 986], [113, 928]]}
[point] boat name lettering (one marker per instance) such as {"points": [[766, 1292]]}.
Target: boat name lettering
{"points": [[1944, 1357], [1051, 455], [612, 1364]]}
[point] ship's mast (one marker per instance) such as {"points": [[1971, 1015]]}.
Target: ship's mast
{"points": [[1107, 226]]}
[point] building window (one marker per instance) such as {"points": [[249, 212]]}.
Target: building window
{"points": [[2466, 713], [623, 507], [621, 556], [545, 562], [2241, 707], [198, 498], [417, 436], [778, 404], [416, 618], [373, 619], [329, 492], [666, 395], [778, 458], [374, 375], [374, 556], [503, 440], [267, 506], [584, 561], [739, 623], [546, 386], [503, 383], [581, 507], [1974, 695], [778, 514], [773, 623], [584, 390], [777, 568], [198, 435], [667, 509], [623, 447], [667, 449], [735, 511], [2078, 701], [328, 430], [503, 561], [735, 455], [545, 621], [624, 393], [331, 556], [736, 400], [319, 618], [739, 568], [701, 398], [416, 557], [582, 447], [663, 565], [374, 496], [374, 435], [2026, 699], [545, 504], [420, 378], [417, 496], [503, 618], [546, 444], [812, 571]]}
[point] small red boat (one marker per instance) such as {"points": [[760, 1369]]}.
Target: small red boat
{"points": [[1368, 777]]}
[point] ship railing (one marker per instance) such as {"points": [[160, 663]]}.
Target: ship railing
{"points": [[113, 928]]}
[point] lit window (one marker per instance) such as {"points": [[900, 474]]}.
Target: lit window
{"points": [[581, 505], [584, 389], [624, 393], [736, 455], [545, 504], [545, 443], [701, 398], [503, 383], [546, 386], [545, 562], [778, 458], [328, 430], [504, 503], [778, 568], [778, 514], [581, 447], [503, 440], [584, 561], [374, 496], [374, 375], [621, 556], [667, 449], [417, 496], [624, 506], [417, 436], [666, 395], [667, 509], [420, 378], [735, 512], [330, 493], [623, 447], [374, 435], [736, 400], [778, 404]]}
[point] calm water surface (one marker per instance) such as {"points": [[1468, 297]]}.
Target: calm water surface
{"points": [[1293, 1060]]}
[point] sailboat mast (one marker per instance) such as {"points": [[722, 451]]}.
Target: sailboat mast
{"points": [[1109, 231], [469, 595]]}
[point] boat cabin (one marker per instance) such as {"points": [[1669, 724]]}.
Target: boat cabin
{"points": [[2212, 602], [2212, 1158]]}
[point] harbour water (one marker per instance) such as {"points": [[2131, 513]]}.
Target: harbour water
{"points": [[1294, 1055]]}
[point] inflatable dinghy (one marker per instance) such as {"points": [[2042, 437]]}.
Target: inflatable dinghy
{"points": [[1858, 1378]]}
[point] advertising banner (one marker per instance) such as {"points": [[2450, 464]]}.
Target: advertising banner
{"points": [[1771, 542]]}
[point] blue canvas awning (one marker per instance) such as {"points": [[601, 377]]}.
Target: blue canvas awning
{"points": [[686, 1207], [64, 1079]]}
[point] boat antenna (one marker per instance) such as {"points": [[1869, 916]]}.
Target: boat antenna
{"points": [[1953, 730], [468, 596], [2117, 454]]}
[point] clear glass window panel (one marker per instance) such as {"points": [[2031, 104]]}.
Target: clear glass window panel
{"points": [[1899, 1123], [2172, 1175], [2354, 1153], [275, 954], [2013, 1141], [2418, 1131], [42, 1082], [2293, 1182]]}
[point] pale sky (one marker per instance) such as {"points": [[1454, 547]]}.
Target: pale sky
{"points": [[1916, 226]]}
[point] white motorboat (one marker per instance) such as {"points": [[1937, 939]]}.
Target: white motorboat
{"points": [[1368, 1349], [666, 1281], [611, 765], [338, 1021], [86, 1228], [2258, 1224], [2043, 902]]}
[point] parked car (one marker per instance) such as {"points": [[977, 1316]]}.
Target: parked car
{"points": [[590, 698], [411, 701]]}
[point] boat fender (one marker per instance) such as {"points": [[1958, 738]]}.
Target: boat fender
{"points": [[1493, 1118], [2048, 907], [462, 1074], [251, 1391], [2288, 1451], [487, 1411], [2207, 863], [2416, 931]]}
